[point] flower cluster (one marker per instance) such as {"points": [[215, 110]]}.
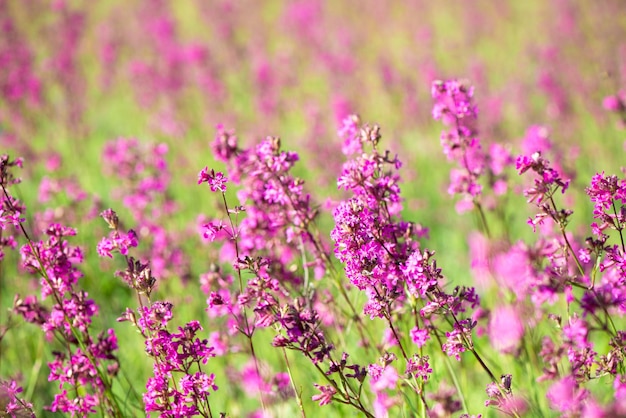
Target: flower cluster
{"points": [[216, 181], [86, 362], [604, 192], [275, 201], [276, 207], [382, 257], [11, 209], [546, 183], [455, 107], [500, 397], [117, 240], [11, 404], [173, 353], [369, 240], [596, 269], [381, 252], [144, 178], [300, 330]]}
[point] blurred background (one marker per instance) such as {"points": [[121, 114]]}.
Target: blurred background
{"points": [[77, 75]]}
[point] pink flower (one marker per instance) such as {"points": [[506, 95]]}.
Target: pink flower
{"points": [[385, 379], [211, 229], [565, 395], [419, 366], [419, 336], [216, 181], [506, 329], [326, 395], [613, 103]]}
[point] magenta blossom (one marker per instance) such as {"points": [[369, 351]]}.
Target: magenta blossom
{"points": [[216, 181]]}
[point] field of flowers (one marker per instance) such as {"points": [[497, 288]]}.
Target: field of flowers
{"points": [[312, 208]]}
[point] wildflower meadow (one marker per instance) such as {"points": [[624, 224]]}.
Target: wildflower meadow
{"points": [[312, 208]]}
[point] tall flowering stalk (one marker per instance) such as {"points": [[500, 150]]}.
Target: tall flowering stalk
{"points": [[591, 277], [455, 108], [179, 387], [144, 179], [277, 207], [11, 209], [86, 366], [280, 216], [11, 404], [383, 257]]}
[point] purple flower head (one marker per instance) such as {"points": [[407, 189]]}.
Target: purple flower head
{"points": [[419, 336], [155, 317], [566, 395], [14, 406], [506, 329], [383, 377], [454, 106], [604, 192], [419, 367], [453, 102], [547, 179], [576, 332], [117, 240], [350, 133], [326, 394], [11, 209], [459, 338], [225, 144], [69, 320], [615, 103], [54, 260], [110, 217], [211, 230], [216, 181]]}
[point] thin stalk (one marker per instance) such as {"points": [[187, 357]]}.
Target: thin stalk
{"points": [[567, 243], [258, 371], [455, 381], [483, 219], [578, 263], [397, 337], [348, 400], [619, 227], [305, 271], [32, 381], [361, 328], [470, 347], [293, 384], [103, 378], [248, 331]]}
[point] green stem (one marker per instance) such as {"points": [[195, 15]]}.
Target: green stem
{"points": [[483, 218], [455, 381], [32, 381], [293, 384], [103, 378], [248, 330]]}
